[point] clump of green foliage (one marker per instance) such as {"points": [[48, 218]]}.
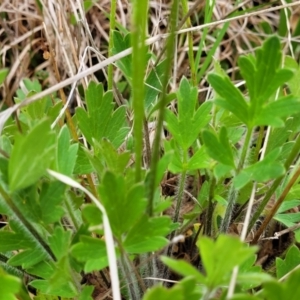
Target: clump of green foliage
{"points": [[84, 198]]}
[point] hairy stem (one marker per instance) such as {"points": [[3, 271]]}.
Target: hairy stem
{"points": [[112, 22], [232, 194]]}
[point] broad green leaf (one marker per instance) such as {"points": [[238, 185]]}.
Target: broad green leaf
{"points": [[50, 200], [273, 112], [288, 219], [27, 258], [83, 165], [43, 269], [263, 75], [218, 147], [162, 293], [113, 160], [62, 281], [221, 256], [66, 153], [147, 235], [293, 82], [86, 293], [92, 215], [183, 268], [92, 252], [186, 127], [229, 97], [292, 260], [279, 136], [250, 275], [3, 74], [288, 204], [59, 242], [283, 290], [199, 160], [184, 289], [31, 156], [12, 241], [100, 121], [60, 285], [9, 286], [262, 171], [124, 204]]}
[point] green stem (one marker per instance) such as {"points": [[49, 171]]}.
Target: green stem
{"points": [[210, 208], [70, 212], [112, 23], [161, 107], [179, 196], [232, 195], [139, 52], [185, 10], [27, 224], [17, 271], [134, 282], [245, 150]]}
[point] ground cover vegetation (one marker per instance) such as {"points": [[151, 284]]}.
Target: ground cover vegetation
{"points": [[149, 149]]}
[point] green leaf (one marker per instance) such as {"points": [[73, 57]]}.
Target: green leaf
{"points": [[286, 290], [230, 97], [274, 111], [86, 293], [11, 241], [262, 74], [100, 120], [261, 171], [199, 160], [220, 257], [162, 293], [115, 162], [92, 215], [124, 204], [153, 85], [185, 289], [250, 275], [121, 44], [3, 74], [292, 260], [186, 127], [27, 258], [183, 268], [61, 282], [293, 82], [31, 156], [92, 252], [288, 204], [66, 153], [218, 147], [83, 165], [148, 235], [59, 242], [9, 286], [50, 200]]}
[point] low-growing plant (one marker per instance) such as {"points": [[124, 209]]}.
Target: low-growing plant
{"points": [[84, 211]]}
